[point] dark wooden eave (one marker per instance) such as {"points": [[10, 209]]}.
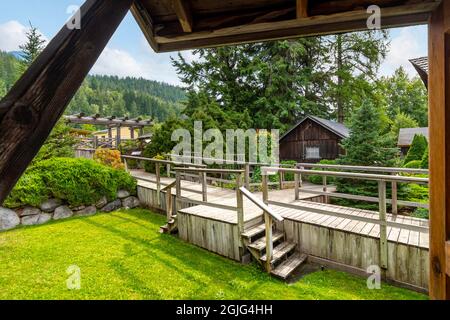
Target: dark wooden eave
{"points": [[217, 22], [421, 66]]}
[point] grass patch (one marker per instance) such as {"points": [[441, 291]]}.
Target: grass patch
{"points": [[122, 256]]}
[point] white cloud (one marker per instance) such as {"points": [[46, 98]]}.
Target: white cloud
{"points": [[408, 43], [120, 63], [12, 35]]}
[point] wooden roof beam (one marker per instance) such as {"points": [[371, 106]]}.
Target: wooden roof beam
{"points": [[34, 105], [302, 9], [183, 12]]}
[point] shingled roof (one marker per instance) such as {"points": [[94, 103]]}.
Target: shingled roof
{"points": [[406, 135], [338, 128], [421, 66]]}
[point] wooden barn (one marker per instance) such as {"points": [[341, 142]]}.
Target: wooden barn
{"points": [[313, 139]]}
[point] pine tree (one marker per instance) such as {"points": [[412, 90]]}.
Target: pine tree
{"points": [[367, 144], [354, 58], [417, 149], [425, 160], [2, 89], [33, 47], [401, 121]]}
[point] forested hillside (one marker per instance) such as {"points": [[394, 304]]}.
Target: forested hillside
{"points": [[108, 95]]}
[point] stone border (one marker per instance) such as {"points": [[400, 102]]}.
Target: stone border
{"points": [[55, 209]]}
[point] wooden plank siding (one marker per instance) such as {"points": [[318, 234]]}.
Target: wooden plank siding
{"points": [[310, 134]]}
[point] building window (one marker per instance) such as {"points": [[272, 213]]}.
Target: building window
{"points": [[312, 153]]}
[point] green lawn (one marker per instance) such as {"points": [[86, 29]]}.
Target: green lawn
{"points": [[122, 256]]}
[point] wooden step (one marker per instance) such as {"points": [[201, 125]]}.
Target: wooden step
{"points": [[285, 269], [253, 231], [260, 244], [280, 251]]}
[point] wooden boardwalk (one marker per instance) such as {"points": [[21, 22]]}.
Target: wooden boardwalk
{"points": [[344, 239]]}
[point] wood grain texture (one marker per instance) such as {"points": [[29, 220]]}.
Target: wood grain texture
{"points": [[183, 12], [302, 9], [439, 122], [36, 102]]}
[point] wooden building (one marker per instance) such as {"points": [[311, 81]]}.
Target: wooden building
{"points": [[406, 137], [37, 101], [313, 139]]}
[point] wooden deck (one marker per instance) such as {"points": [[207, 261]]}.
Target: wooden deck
{"points": [[339, 239]]}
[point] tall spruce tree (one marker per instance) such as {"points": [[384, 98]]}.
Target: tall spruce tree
{"points": [[354, 58], [367, 144], [275, 83], [33, 47]]}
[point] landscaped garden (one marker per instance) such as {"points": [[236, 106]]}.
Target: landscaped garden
{"points": [[122, 256]]}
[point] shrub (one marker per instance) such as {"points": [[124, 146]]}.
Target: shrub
{"points": [[109, 157], [151, 167], [415, 164], [418, 148], [425, 160], [76, 181], [421, 213], [127, 148]]}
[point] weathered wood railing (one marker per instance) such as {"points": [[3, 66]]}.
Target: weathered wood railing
{"points": [[382, 220], [158, 163], [362, 169], [269, 216]]}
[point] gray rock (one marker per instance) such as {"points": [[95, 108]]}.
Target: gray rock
{"points": [[62, 212], [112, 206], [101, 203], [131, 202], [79, 208], [30, 211], [89, 211], [8, 219], [36, 219], [50, 205], [122, 194]]}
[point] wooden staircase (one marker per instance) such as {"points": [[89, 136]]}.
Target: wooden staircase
{"points": [[170, 227], [285, 260]]}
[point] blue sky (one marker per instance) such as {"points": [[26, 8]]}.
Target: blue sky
{"points": [[128, 54]]}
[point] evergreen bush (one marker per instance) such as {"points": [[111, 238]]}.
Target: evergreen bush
{"points": [[418, 148]]}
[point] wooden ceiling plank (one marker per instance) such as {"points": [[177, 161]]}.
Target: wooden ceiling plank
{"points": [[145, 22], [282, 26], [183, 12], [287, 33], [302, 9]]}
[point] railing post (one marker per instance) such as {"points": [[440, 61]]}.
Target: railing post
{"points": [[125, 164], [325, 187], [178, 191], [204, 186], [168, 170], [240, 208], [247, 176], [169, 207], [394, 197], [281, 174], [269, 241], [265, 187], [383, 225], [158, 183], [297, 186]]}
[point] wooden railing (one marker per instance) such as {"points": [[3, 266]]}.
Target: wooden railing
{"points": [[269, 216], [382, 201]]}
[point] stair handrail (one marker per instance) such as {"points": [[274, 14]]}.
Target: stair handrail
{"points": [[269, 216]]}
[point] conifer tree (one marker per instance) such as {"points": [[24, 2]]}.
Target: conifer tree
{"points": [[33, 47], [417, 149]]}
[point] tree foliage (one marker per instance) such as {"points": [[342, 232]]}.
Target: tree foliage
{"points": [[368, 145], [402, 120], [417, 149], [33, 47]]}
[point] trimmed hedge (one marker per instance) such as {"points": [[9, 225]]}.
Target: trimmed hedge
{"points": [[76, 181]]}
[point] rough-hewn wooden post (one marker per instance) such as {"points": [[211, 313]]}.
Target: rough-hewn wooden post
{"points": [[240, 207], [269, 241], [204, 183], [30, 110], [168, 168], [169, 207], [265, 187], [325, 188], [297, 186], [394, 202], [158, 183], [383, 226], [118, 136], [178, 190], [281, 177], [439, 121], [247, 176]]}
